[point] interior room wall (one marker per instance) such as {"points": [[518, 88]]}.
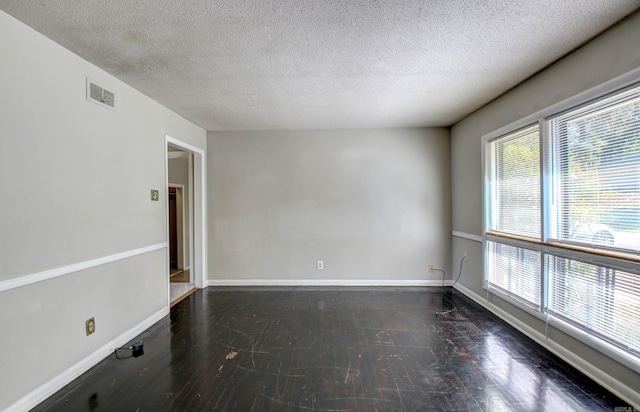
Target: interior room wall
{"points": [[79, 236], [615, 53], [373, 205], [179, 174]]}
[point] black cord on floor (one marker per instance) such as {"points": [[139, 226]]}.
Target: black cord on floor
{"points": [[136, 349], [129, 348], [448, 293]]}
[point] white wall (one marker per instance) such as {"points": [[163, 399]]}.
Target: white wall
{"points": [[613, 54], [76, 179], [374, 205]]}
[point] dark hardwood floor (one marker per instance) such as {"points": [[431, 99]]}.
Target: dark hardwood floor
{"points": [[309, 349]]}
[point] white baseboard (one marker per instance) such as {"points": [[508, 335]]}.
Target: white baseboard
{"points": [[602, 378], [326, 282], [47, 389]]}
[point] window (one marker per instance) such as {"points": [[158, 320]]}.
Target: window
{"points": [[597, 167], [516, 173], [598, 299], [562, 223], [515, 176], [516, 271]]}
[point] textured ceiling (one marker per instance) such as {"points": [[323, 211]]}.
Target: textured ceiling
{"points": [[321, 64]]}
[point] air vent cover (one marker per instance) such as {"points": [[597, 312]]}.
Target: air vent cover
{"points": [[99, 95]]}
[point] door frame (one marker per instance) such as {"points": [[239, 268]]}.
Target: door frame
{"points": [[197, 219]]}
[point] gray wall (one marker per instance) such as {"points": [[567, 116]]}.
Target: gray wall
{"points": [[76, 179], [613, 54], [373, 205]]}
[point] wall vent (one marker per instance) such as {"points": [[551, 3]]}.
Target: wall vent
{"points": [[99, 95]]}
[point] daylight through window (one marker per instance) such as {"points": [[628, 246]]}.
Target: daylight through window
{"points": [[563, 220]]}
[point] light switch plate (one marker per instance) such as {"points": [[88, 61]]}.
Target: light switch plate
{"points": [[155, 195]]}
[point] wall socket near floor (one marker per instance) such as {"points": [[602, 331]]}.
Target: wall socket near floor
{"points": [[90, 326], [320, 265], [430, 268]]}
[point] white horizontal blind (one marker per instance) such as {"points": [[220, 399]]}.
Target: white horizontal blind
{"points": [[602, 301], [515, 271], [515, 173], [597, 168], [592, 168]]}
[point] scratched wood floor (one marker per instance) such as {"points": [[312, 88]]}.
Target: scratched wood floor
{"points": [[306, 349]]}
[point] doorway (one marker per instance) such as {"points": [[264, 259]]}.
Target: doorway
{"points": [[180, 187], [179, 228], [186, 266], [173, 231]]}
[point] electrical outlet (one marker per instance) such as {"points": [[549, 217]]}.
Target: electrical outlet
{"points": [[320, 265], [430, 268], [465, 254], [90, 326]]}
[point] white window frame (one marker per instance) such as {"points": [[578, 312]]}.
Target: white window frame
{"points": [[614, 260]]}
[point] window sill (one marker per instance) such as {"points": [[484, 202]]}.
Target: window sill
{"points": [[619, 355], [527, 307]]}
